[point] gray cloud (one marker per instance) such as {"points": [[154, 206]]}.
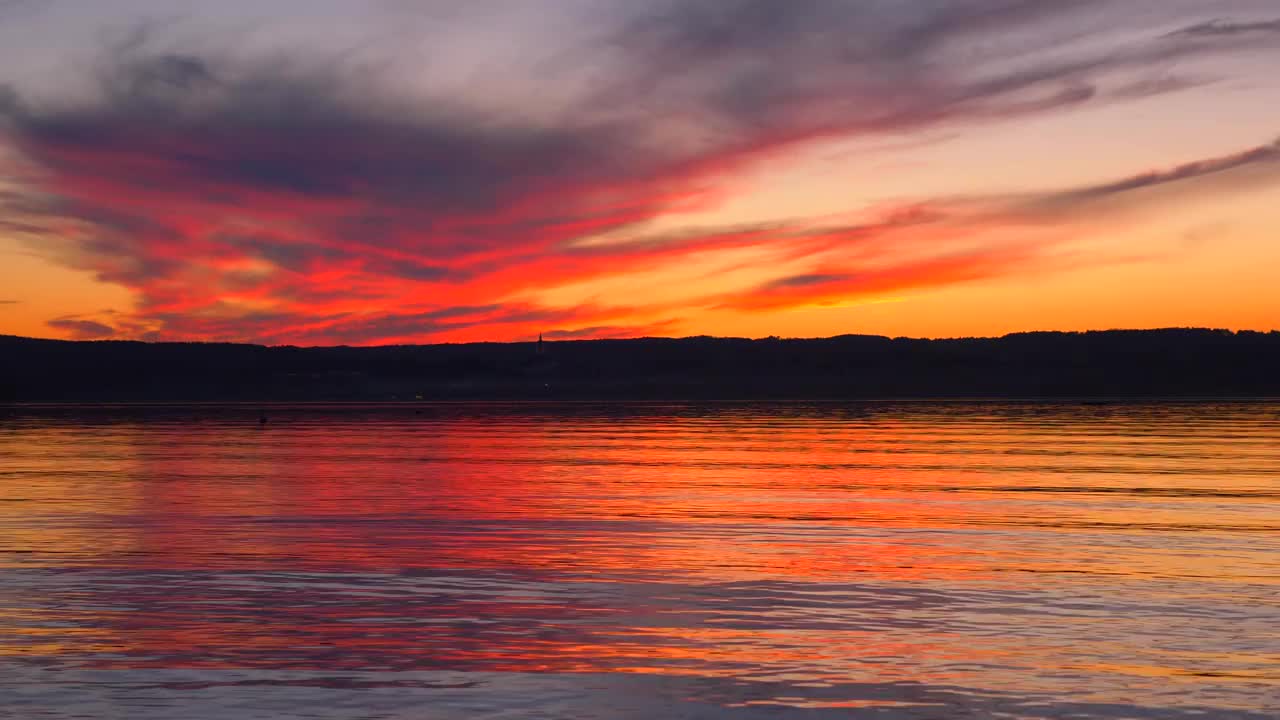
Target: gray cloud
{"points": [[807, 280], [83, 329], [311, 132], [1221, 28], [14, 6], [1220, 169]]}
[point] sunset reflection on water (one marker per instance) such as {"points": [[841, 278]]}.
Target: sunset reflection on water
{"points": [[892, 560]]}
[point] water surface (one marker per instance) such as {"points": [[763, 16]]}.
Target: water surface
{"points": [[914, 560]]}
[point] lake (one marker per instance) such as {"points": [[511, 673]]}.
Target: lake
{"points": [[871, 560]]}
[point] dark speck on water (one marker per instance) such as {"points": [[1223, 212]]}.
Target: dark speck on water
{"points": [[641, 561]]}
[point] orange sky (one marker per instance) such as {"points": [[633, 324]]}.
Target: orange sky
{"points": [[604, 170]]}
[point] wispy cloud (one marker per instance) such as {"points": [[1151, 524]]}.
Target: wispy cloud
{"points": [[1069, 214], [1221, 28], [79, 329], [1202, 176]]}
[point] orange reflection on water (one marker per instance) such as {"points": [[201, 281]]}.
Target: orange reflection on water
{"points": [[795, 548], [530, 499]]}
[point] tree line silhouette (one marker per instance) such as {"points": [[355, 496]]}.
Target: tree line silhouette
{"points": [[1105, 364]]}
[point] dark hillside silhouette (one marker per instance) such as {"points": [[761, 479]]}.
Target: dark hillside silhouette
{"points": [[1151, 363]]}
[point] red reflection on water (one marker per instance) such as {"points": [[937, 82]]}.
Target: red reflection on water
{"points": [[537, 497], [705, 546]]}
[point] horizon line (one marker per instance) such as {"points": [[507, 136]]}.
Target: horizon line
{"points": [[765, 338]]}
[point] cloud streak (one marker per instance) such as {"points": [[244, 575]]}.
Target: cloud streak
{"points": [[1077, 209], [78, 329], [1227, 28]]}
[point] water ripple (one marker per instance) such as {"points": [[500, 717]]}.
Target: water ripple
{"points": [[878, 560]]}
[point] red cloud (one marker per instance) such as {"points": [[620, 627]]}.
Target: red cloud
{"points": [[252, 202], [834, 285]]}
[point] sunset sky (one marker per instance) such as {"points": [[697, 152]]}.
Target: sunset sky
{"points": [[383, 171]]}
